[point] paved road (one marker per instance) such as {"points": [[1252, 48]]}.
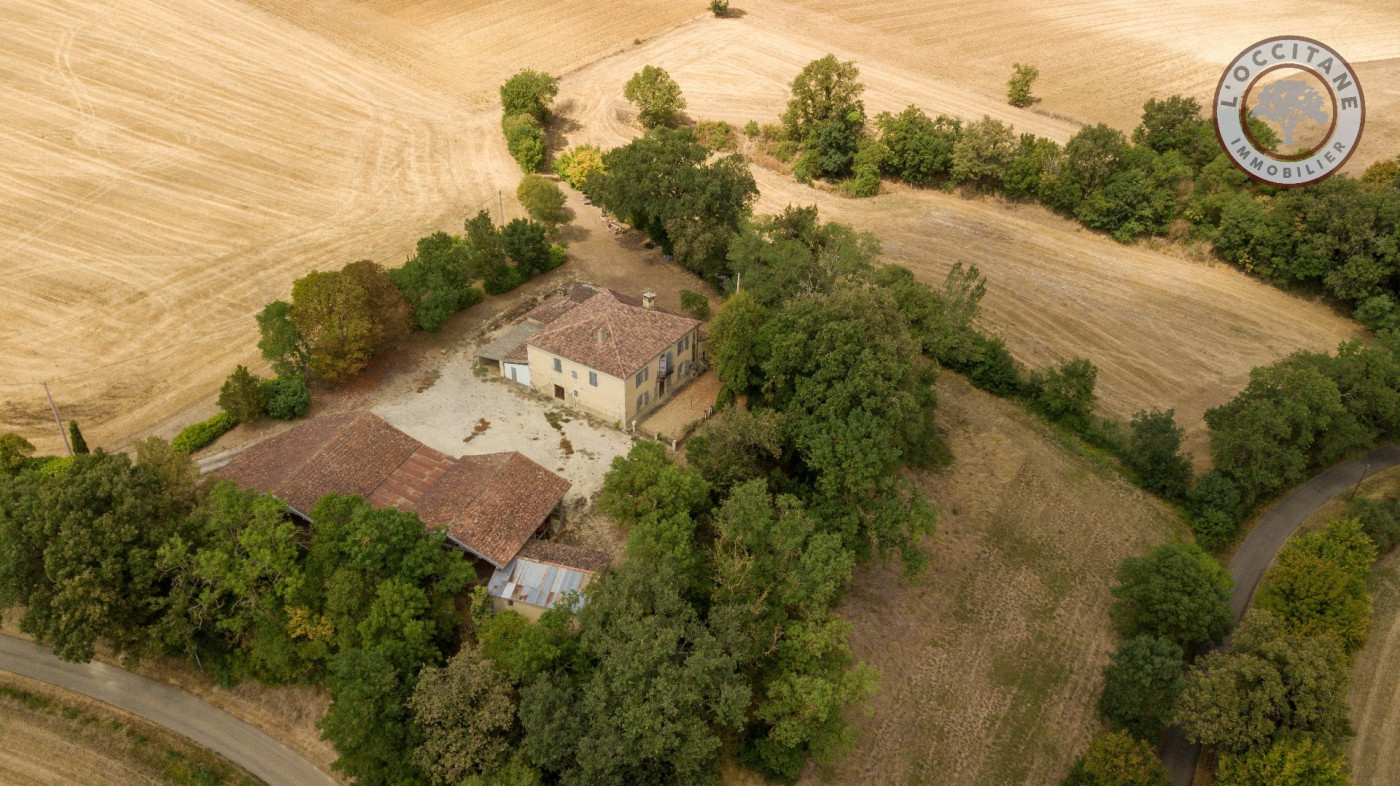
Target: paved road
{"points": [[180, 712], [1257, 552]]}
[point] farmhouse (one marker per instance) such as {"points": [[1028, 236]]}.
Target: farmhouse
{"points": [[490, 505], [600, 351], [541, 574]]}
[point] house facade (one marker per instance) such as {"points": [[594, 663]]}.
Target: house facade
{"points": [[601, 352]]}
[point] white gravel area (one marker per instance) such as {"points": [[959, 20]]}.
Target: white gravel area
{"points": [[448, 416]]}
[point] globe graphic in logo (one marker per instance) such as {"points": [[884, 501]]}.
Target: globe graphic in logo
{"points": [[1296, 107]]}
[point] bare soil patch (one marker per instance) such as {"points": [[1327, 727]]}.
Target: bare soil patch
{"points": [[990, 666]]}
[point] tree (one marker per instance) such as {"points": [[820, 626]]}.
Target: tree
{"points": [[695, 304], [656, 95], [739, 445], [241, 396], [369, 722], [80, 554], [793, 254], [1176, 592], [1380, 519], [654, 693], [578, 164], [732, 335], [1271, 683], [1153, 453], [287, 398], [919, 148], [1018, 89], [1318, 583], [1035, 158], [983, 151], [826, 90], [530, 93], [14, 453], [75, 437], [1116, 759], [1300, 761], [1174, 123], [647, 481], [542, 199], [280, 342], [466, 712], [437, 281], [331, 310], [1141, 685], [1091, 157], [527, 246], [389, 310], [1066, 393]]}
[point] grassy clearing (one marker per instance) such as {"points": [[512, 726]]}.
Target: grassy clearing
{"points": [[50, 735], [990, 666]]}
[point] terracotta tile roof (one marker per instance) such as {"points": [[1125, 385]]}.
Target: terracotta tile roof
{"points": [[489, 504], [552, 308], [565, 556], [609, 334]]}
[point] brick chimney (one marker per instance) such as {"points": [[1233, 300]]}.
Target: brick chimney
{"points": [[648, 300]]}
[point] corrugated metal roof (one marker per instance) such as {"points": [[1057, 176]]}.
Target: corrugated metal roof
{"points": [[536, 583]]}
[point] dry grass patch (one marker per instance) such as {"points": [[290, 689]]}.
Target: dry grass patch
{"points": [[990, 667]]}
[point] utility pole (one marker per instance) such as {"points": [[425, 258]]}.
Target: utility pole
{"points": [[1354, 489], [501, 201], [56, 421]]}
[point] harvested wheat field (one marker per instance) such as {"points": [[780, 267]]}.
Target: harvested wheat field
{"points": [[1375, 693], [990, 665]]}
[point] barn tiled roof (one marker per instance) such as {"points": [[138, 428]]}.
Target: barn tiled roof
{"points": [[489, 504], [612, 335], [554, 307]]}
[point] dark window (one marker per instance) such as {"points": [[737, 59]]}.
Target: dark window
{"points": [[593, 378], [558, 365]]}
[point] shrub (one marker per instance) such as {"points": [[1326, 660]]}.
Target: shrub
{"points": [[656, 95], [558, 255], [241, 397], [504, 279], [287, 398], [1154, 453], [542, 199], [695, 304], [1141, 685], [716, 135], [1380, 520], [919, 148], [524, 140], [982, 152], [1018, 89], [579, 163], [1116, 759], [14, 453], [1214, 528], [751, 129], [1300, 761], [719, 8], [865, 169], [993, 369], [199, 435], [1066, 393], [527, 247]]}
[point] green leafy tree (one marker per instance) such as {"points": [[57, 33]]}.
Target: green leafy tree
{"points": [[1174, 123], [524, 140], [1018, 89], [1091, 157], [826, 90], [75, 437], [81, 554], [280, 342], [1066, 393], [1300, 761], [14, 453], [733, 333], [792, 254], [1272, 682], [654, 693], [1177, 592], [466, 712], [241, 396], [287, 398], [369, 721], [656, 95], [919, 148], [1141, 685], [331, 310], [695, 304], [1036, 159], [529, 93], [436, 282], [1380, 520], [389, 310], [542, 199], [527, 246], [983, 151], [1154, 453], [738, 446]]}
